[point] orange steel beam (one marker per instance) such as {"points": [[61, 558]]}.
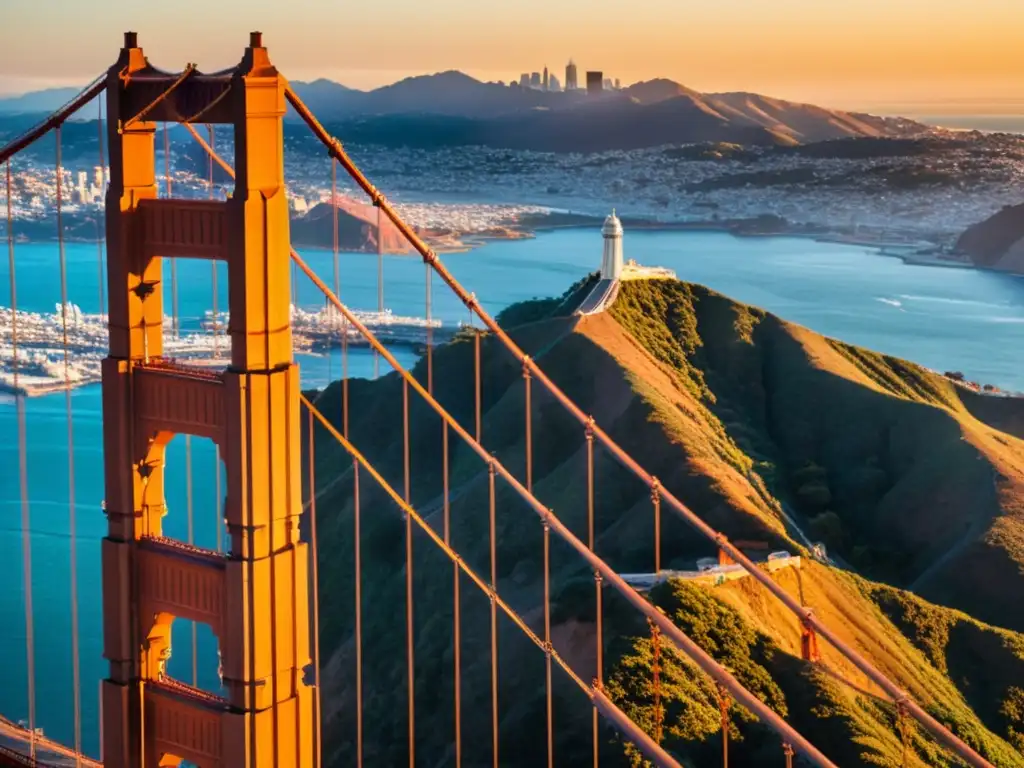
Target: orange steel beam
{"points": [[57, 118], [682, 642], [940, 732], [615, 715]]}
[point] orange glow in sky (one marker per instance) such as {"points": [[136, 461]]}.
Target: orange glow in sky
{"points": [[832, 52]]}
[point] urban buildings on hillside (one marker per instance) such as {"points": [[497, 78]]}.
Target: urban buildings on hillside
{"points": [[548, 81]]}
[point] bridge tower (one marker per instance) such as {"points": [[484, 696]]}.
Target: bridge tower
{"points": [[254, 597]]}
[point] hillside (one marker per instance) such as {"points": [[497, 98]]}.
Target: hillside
{"points": [[738, 413], [997, 242]]}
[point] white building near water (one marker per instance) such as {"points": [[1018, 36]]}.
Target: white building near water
{"points": [[611, 261]]}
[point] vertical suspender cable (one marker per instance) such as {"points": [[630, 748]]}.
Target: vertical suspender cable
{"points": [[73, 564], [656, 501], [430, 332], [102, 191], [476, 386], [529, 429], [494, 616], [409, 628], [380, 280], [456, 602], [213, 262], [356, 517], [547, 641], [723, 705], [599, 640], [315, 559], [175, 322], [26, 533], [332, 313], [191, 540]]}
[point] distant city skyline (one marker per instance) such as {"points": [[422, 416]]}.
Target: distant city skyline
{"points": [[893, 53]]}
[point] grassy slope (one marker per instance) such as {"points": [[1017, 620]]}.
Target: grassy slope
{"points": [[883, 459], [673, 415]]}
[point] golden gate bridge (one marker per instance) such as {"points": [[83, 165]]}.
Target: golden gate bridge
{"points": [[258, 590]]}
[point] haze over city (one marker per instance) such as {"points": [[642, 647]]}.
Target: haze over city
{"points": [[913, 55]]}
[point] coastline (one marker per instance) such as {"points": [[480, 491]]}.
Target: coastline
{"points": [[463, 242]]}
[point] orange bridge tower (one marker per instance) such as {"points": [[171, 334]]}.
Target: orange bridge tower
{"points": [[254, 596]]}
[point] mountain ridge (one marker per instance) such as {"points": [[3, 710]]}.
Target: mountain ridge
{"points": [[451, 108], [723, 403]]}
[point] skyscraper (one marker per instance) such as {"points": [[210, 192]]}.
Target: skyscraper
{"points": [[595, 83], [535, 80], [545, 77], [524, 80], [553, 84], [570, 76]]}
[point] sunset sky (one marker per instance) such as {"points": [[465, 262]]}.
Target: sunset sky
{"points": [[870, 54]]}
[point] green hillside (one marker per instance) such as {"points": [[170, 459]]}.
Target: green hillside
{"points": [[740, 415]]}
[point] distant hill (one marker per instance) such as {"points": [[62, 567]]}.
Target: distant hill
{"points": [[48, 100], [997, 242], [453, 109], [905, 476]]}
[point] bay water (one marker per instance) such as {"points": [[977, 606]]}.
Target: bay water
{"points": [[943, 318]]}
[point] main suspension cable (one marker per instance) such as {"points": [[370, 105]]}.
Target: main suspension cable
{"points": [[26, 530]]}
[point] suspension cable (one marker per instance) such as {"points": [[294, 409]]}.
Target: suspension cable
{"points": [[175, 321], [380, 281], [598, 640], [477, 389], [656, 503], [72, 532], [191, 540], [942, 733], [679, 639], [213, 262], [26, 531], [529, 428], [409, 625], [356, 515], [317, 741], [91, 91], [102, 190], [629, 729], [494, 612], [547, 643], [456, 606], [430, 331], [723, 707]]}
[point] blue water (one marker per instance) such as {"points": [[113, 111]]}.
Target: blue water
{"points": [[943, 318]]}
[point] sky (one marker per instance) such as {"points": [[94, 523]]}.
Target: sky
{"points": [[905, 55]]}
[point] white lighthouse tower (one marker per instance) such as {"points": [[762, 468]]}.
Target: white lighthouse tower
{"points": [[611, 261]]}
